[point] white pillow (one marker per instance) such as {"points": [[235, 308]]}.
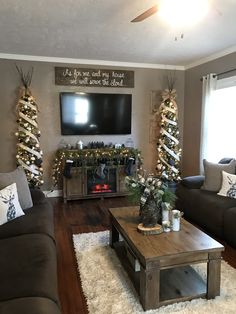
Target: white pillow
{"points": [[9, 204], [228, 187]]}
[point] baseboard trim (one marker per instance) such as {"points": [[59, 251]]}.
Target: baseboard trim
{"points": [[53, 193]]}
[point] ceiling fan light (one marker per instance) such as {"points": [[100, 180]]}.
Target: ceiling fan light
{"points": [[181, 13]]}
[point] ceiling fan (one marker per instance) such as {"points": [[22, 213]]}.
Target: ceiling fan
{"points": [[177, 10], [146, 14]]}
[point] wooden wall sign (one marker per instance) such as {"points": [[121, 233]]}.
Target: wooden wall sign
{"points": [[93, 77]]}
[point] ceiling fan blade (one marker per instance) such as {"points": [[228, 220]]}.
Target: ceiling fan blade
{"points": [[146, 14]]}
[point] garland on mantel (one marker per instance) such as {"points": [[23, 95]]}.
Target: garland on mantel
{"points": [[92, 157]]}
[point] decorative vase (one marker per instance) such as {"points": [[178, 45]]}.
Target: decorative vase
{"points": [[166, 225], [176, 214], [166, 207], [141, 206], [80, 145], [150, 213]]}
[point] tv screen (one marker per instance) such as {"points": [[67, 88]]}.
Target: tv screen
{"points": [[95, 113]]}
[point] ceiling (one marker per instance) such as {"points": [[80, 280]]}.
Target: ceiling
{"points": [[101, 30]]}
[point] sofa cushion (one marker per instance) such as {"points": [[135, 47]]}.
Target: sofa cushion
{"points": [[228, 187], [38, 219], [18, 176], [30, 305], [213, 174], [28, 267], [9, 204]]}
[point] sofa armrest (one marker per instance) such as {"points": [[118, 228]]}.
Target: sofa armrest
{"points": [[193, 182], [38, 196]]}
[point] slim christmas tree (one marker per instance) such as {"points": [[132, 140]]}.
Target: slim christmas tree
{"points": [[29, 154], [169, 153]]}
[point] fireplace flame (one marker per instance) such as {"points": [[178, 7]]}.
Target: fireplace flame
{"points": [[101, 188]]}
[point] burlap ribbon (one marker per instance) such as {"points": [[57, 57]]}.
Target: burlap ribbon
{"points": [[171, 95]]}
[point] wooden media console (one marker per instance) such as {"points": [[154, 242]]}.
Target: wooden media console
{"points": [[96, 172]]}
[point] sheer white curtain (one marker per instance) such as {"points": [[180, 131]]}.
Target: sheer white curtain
{"points": [[208, 86]]}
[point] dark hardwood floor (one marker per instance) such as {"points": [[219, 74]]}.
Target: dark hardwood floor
{"points": [[78, 217]]}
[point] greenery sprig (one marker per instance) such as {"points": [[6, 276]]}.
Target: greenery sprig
{"points": [[142, 186], [91, 157]]}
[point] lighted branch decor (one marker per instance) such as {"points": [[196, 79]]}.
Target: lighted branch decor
{"points": [[92, 157], [29, 154], [169, 152]]}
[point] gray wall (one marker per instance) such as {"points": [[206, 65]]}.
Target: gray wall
{"points": [[47, 96], [192, 108]]}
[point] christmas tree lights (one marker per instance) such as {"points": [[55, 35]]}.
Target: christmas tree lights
{"points": [[29, 155], [92, 157], [169, 153]]}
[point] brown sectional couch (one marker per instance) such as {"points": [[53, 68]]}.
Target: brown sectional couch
{"points": [[214, 213], [28, 261]]}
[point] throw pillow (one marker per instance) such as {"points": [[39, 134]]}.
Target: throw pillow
{"points": [[9, 204], [228, 187], [213, 174], [18, 176]]}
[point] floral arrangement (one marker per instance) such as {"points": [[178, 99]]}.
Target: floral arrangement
{"points": [[143, 186]]}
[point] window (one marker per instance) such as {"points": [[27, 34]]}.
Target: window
{"points": [[221, 127]]}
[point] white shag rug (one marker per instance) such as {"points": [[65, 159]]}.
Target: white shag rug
{"points": [[108, 290]]}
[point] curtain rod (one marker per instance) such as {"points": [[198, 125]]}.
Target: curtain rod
{"points": [[232, 70], [225, 72]]}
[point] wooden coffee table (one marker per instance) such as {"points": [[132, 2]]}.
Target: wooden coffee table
{"points": [[159, 265]]}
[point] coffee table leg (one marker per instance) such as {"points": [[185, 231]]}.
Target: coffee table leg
{"points": [[213, 275], [150, 286], [114, 236]]}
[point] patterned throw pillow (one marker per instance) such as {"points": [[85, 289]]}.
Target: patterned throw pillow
{"points": [[18, 176], [9, 204], [228, 187]]}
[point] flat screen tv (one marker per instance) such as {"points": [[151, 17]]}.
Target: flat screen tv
{"points": [[95, 113]]}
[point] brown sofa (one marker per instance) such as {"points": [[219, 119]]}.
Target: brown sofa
{"points": [[214, 213], [28, 261]]}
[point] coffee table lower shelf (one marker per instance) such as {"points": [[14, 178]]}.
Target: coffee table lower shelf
{"points": [[176, 284]]}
